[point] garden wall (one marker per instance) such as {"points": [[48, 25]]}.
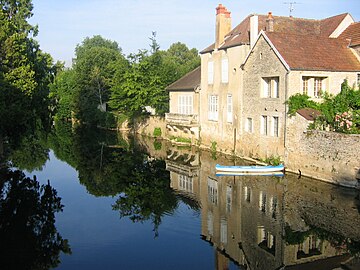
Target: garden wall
{"points": [[329, 156]]}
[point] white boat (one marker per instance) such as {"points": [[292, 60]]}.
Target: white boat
{"points": [[279, 174], [250, 169]]}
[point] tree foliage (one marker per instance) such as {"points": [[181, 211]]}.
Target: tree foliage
{"points": [[339, 112], [96, 62], [144, 82], [25, 71]]}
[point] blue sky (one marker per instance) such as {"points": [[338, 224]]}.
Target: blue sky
{"points": [[64, 24]]}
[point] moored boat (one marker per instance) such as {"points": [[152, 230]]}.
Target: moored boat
{"points": [[221, 173], [250, 169]]}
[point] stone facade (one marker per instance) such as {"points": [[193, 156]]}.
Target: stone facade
{"points": [[261, 141]]}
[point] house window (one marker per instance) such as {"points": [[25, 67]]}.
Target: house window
{"points": [[223, 231], [210, 72], [358, 80], [249, 125], [275, 126], [247, 194], [229, 108], [262, 201], [213, 107], [264, 125], [185, 105], [213, 191], [270, 87], [305, 85], [185, 183], [318, 87], [224, 70]]}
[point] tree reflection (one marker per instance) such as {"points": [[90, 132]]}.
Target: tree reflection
{"points": [[111, 166], [28, 236], [148, 195]]}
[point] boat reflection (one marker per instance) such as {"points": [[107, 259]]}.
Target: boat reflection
{"points": [[267, 221]]}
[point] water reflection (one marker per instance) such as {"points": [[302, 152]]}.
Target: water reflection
{"points": [[111, 165], [261, 222], [29, 238], [254, 222]]}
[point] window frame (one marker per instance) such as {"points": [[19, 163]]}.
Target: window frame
{"points": [[275, 126], [213, 108], [185, 104], [270, 87], [264, 125], [249, 125]]}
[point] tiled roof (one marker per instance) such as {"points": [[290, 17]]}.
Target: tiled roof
{"points": [[240, 34], [308, 113], [329, 25], [352, 34], [314, 52], [188, 82]]}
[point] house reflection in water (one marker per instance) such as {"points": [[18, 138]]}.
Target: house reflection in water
{"points": [[258, 222]]}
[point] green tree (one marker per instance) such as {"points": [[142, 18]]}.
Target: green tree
{"points": [[144, 83], [62, 94], [95, 64], [25, 72]]}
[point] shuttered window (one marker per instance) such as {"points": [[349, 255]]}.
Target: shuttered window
{"points": [[213, 109], [185, 105]]}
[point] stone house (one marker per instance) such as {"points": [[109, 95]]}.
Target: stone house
{"points": [[304, 56], [249, 72]]}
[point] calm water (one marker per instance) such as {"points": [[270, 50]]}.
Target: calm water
{"points": [[144, 204]]}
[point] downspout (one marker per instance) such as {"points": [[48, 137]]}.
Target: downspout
{"points": [[286, 109]]}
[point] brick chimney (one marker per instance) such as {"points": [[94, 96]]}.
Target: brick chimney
{"points": [[223, 24], [270, 22]]}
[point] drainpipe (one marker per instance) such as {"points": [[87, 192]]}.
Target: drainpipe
{"points": [[286, 107]]}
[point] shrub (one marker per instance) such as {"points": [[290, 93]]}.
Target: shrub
{"points": [[157, 132]]}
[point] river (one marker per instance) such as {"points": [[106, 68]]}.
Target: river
{"points": [[142, 203]]}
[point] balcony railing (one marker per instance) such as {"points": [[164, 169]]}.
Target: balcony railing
{"points": [[182, 119]]}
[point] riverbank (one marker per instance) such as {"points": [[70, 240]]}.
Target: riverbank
{"points": [[327, 156]]}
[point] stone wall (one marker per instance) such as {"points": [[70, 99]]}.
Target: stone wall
{"points": [[329, 156], [147, 126]]}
